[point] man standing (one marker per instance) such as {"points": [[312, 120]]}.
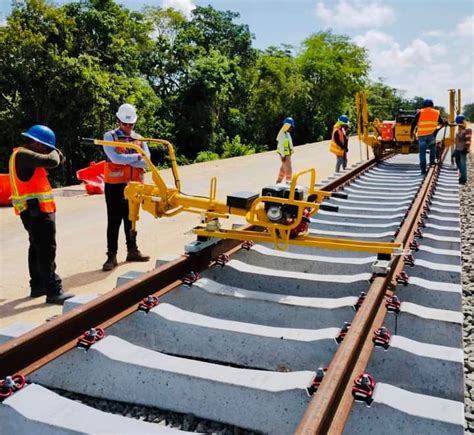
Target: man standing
{"points": [[340, 142], [462, 147], [32, 199], [285, 150], [123, 165], [426, 122]]}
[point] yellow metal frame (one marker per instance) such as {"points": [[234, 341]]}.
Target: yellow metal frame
{"points": [[401, 134], [455, 108], [163, 201]]}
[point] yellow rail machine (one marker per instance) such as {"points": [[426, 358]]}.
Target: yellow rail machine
{"points": [[280, 214], [384, 136]]}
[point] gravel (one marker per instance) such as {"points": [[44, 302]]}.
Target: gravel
{"points": [[467, 244], [175, 420], [191, 423]]}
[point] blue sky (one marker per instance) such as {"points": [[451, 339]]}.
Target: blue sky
{"points": [[423, 47]]}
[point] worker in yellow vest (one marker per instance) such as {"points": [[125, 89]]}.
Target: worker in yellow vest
{"points": [[32, 199], [340, 142], [426, 123], [285, 150], [123, 165]]}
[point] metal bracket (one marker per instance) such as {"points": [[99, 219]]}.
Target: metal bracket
{"points": [[199, 245], [382, 266]]}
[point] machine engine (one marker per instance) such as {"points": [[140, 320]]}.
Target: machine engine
{"points": [[281, 213]]}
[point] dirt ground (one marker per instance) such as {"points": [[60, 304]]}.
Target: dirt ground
{"points": [[81, 228]]}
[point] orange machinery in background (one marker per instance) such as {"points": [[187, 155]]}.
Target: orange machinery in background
{"points": [[93, 177], [5, 190]]}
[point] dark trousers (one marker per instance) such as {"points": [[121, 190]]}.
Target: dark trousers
{"points": [[41, 229], [117, 211]]}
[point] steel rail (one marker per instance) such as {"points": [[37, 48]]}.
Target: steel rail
{"points": [[343, 412], [330, 407], [36, 348], [32, 350]]}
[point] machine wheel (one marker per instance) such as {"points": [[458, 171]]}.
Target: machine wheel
{"points": [[378, 152]]}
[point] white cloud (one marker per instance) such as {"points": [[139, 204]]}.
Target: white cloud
{"points": [[185, 6], [387, 55], [419, 68], [466, 27], [356, 13], [434, 34], [418, 53], [373, 39]]}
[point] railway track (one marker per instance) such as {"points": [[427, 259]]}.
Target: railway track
{"points": [[270, 341]]}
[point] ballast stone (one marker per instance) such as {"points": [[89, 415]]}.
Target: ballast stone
{"points": [[37, 410]]}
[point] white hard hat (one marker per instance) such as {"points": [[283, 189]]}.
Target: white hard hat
{"points": [[127, 114]]}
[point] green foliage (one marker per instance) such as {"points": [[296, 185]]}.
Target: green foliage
{"points": [[235, 148], [196, 83], [468, 111], [70, 68], [335, 69], [206, 156]]}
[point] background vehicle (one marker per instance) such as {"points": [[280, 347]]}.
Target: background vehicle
{"points": [[394, 135]]}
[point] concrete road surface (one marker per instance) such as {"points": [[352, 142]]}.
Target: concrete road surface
{"points": [[81, 228]]}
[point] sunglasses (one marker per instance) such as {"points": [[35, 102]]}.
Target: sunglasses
{"points": [[129, 124]]}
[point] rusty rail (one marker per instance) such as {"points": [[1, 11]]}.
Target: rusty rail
{"points": [[330, 407], [41, 345], [36, 348]]}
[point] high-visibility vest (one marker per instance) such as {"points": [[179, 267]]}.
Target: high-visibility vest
{"points": [[37, 187], [285, 144], [334, 147], [115, 173], [427, 122]]}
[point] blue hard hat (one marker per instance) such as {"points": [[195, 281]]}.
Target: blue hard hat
{"points": [[428, 103], [289, 120], [460, 119], [343, 119], [42, 134]]}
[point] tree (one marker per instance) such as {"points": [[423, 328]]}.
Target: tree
{"points": [[468, 111], [277, 84], [204, 97], [69, 68], [335, 69]]}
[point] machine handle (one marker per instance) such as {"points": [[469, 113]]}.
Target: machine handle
{"points": [[339, 195], [328, 207], [87, 141]]}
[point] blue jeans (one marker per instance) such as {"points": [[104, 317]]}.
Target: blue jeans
{"points": [[341, 161], [424, 143], [460, 157]]}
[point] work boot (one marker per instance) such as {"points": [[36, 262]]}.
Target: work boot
{"points": [[111, 262], [59, 298], [36, 293], [136, 255]]}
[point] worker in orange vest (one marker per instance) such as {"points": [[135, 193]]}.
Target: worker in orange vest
{"points": [[339, 142], [426, 123], [123, 165], [32, 199]]}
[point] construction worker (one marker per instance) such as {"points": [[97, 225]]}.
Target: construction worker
{"points": [[426, 122], [285, 149], [340, 142], [462, 147], [32, 199], [123, 165]]}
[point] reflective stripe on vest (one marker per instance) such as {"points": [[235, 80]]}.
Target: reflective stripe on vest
{"points": [[427, 122], [115, 173], [37, 187], [286, 147], [334, 147]]}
